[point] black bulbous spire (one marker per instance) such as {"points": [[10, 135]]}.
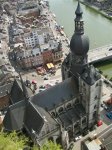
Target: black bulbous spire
{"points": [[79, 43]]}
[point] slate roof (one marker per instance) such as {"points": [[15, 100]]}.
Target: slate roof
{"points": [[72, 115], [16, 94], [56, 94], [36, 117], [67, 117], [33, 119], [4, 89], [13, 119]]}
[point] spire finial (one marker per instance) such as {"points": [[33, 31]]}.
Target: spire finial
{"points": [[25, 93], [79, 24], [78, 9]]}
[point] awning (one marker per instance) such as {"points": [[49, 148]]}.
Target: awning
{"points": [[52, 66], [48, 65]]}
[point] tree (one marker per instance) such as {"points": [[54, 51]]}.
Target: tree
{"points": [[101, 72], [110, 79], [12, 141], [106, 76], [49, 145]]}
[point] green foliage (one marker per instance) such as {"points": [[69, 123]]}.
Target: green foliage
{"points": [[49, 145], [12, 141]]}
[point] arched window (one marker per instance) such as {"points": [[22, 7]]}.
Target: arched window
{"points": [[96, 84], [77, 101], [60, 110], [53, 114], [68, 106], [84, 120], [69, 128], [50, 139], [94, 106], [96, 97], [76, 125]]}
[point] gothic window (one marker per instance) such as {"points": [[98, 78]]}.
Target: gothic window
{"points": [[76, 125], [84, 121], [94, 114], [96, 84], [77, 101], [60, 110], [84, 84], [94, 106], [96, 97], [50, 139], [69, 128]]}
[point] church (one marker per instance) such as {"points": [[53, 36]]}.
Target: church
{"points": [[67, 109]]}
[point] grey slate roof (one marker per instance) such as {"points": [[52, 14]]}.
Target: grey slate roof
{"points": [[16, 94], [56, 94], [33, 119], [13, 119], [68, 116], [4, 89], [72, 115], [36, 117], [79, 44]]}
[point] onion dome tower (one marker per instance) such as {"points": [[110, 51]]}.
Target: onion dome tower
{"points": [[79, 44]]}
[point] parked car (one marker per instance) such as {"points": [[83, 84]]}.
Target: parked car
{"points": [[46, 78], [99, 123], [41, 87], [28, 83], [48, 86], [110, 49], [109, 115], [40, 90], [77, 138], [104, 106], [34, 82]]}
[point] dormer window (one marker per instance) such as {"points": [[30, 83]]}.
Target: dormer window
{"points": [[68, 106], [60, 110], [53, 114]]}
